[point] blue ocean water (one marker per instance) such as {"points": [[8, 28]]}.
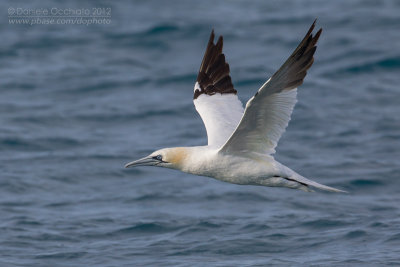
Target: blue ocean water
{"points": [[78, 102]]}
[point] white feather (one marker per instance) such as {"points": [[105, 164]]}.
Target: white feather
{"points": [[264, 121], [221, 114]]}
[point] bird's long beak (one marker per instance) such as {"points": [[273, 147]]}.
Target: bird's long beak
{"points": [[147, 161]]}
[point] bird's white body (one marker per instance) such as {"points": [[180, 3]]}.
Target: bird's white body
{"points": [[230, 168], [241, 141], [254, 169]]}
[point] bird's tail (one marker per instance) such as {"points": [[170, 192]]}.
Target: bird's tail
{"points": [[307, 182]]}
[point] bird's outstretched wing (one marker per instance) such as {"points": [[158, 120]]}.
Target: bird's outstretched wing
{"points": [[214, 97], [267, 114]]}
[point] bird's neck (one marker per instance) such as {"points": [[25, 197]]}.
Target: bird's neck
{"points": [[177, 156], [185, 158]]}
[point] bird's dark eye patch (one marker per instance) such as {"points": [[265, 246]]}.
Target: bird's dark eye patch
{"points": [[158, 157]]}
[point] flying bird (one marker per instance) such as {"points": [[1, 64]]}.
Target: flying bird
{"points": [[242, 141]]}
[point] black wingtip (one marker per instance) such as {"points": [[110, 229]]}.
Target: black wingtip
{"points": [[212, 36], [316, 36], [213, 76], [293, 71], [311, 28], [315, 21]]}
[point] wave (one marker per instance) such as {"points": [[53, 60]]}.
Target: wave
{"points": [[379, 64]]}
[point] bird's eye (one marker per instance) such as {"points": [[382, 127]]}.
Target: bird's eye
{"points": [[159, 157]]}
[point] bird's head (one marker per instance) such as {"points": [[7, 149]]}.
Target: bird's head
{"points": [[167, 157]]}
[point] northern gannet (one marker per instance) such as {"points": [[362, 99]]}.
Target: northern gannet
{"points": [[241, 141]]}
